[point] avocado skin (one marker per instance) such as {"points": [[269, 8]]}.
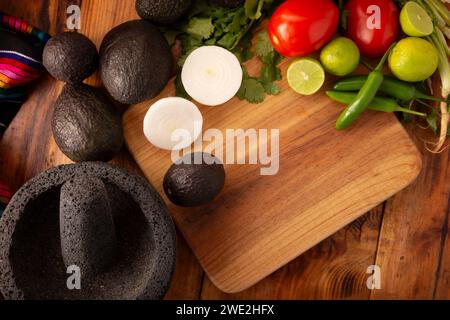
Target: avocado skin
{"points": [[70, 57], [85, 125], [191, 185], [135, 62], [227, 3], [162, 11]]}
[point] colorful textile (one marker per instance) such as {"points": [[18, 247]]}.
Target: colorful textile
{"points": [[17, 69], [18, 25], [21, 48], [5, 196]]}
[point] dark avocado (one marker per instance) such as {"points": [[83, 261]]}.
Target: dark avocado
{"points": [[86, 126], [162, 11], [227, 3], [135, 62], [70, 57], [195, 180]]}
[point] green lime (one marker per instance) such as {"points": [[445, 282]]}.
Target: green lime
{"points": [[413, 59], [340, 57], [415, 20], [306, 76]]}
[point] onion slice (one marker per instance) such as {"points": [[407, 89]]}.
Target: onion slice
{"points": [[212, 75], [173, 123]]}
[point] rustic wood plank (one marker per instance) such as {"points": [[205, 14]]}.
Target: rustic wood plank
{"points": [[414, 245], [413, 233], [413, 250], [442, 289]]}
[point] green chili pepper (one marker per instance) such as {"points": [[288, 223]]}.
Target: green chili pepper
{"points": [[393, 87], [378, 103], [364, 97]]}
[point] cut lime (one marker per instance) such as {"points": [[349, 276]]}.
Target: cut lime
{"points": [[415, 20], [306, 76]]}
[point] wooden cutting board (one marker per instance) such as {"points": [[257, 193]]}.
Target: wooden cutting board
{"points": [[326, 179]]}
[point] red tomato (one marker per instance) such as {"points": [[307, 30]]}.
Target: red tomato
{"points": [[373, 25], [301, 27]]}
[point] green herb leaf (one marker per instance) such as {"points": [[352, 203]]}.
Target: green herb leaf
{"points": [[253, 8], [201, 27], [264, 46], [230, 28], [251, 90], [270, 59]]}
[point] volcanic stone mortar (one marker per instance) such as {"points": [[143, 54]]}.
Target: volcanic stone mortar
{"points": [[140, 249]]}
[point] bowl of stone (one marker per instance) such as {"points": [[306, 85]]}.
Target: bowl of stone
{"points": [[86, 231]]}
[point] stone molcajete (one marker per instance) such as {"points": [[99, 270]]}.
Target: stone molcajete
{"points": [[109, 223]]}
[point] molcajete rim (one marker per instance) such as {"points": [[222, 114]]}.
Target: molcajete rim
{"points": [[149, 202]]}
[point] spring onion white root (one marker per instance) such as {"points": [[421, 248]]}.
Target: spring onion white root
{"points": [[173, 124], [212, 75]]}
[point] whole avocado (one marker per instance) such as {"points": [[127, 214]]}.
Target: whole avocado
{"points": [[162, 11], [227, 3], [194, 180], [70, 57], [85, 125], [135, 62]]}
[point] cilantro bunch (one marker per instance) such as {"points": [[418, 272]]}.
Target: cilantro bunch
{"points": [[232, 29]]}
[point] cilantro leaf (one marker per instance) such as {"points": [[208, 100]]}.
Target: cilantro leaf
{"points": [[270, 59], [230, 28], [200, 27], [253, 8], [251, 90], [264, 47]]}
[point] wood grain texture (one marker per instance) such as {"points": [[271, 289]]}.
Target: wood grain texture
{"points": [[326, 180], [414, 252]]}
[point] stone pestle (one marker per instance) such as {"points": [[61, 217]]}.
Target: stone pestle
{"points": [[88, 237]]}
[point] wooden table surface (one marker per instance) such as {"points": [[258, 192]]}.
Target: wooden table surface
{"points": [[407, 236]]}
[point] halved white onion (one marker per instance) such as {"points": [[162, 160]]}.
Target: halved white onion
{"points": [[173, 123], [212, 75]]}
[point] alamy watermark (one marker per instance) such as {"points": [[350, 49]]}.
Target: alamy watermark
{"points": [[74, 280], [73, 17], [374, 281]]}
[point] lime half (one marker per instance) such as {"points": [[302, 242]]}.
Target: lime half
{"points": [[415, 20], [306, 76]]}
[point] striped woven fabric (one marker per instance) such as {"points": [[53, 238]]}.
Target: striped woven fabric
{"points": [[17, 69], [5, 196], [14, 24], [21, 48]]}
